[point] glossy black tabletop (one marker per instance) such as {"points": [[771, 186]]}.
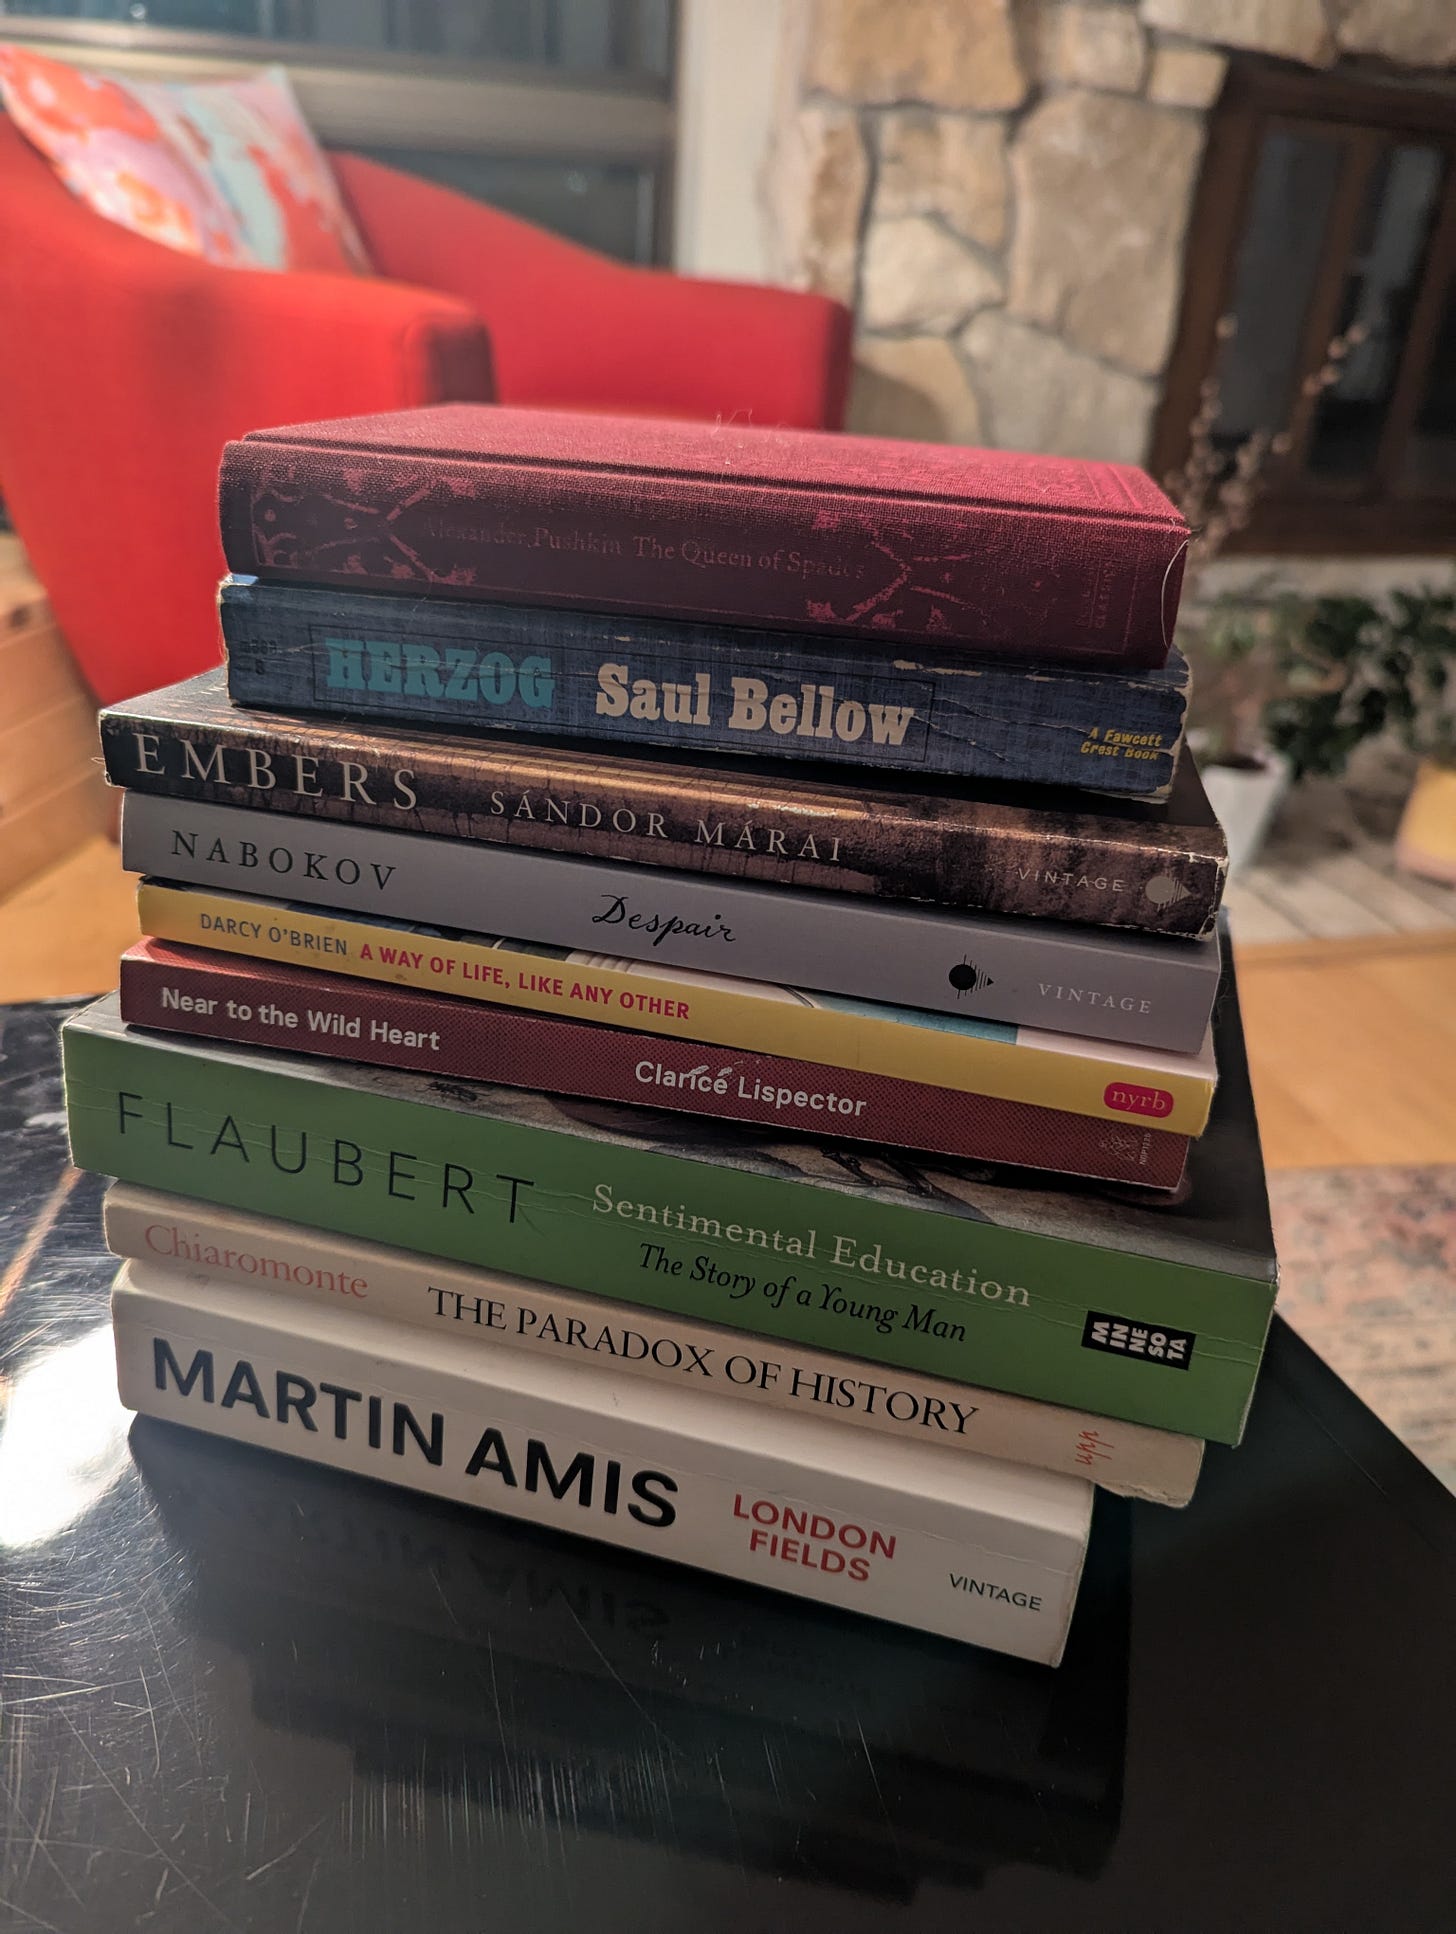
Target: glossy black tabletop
{"points": [[240, 1692]]}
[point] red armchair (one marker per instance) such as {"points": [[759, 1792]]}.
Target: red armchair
{"points": [[125, 367]]}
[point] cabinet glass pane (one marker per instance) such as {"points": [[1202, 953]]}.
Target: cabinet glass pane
{"points": [[1430, 454], [1294, 185], [1381, 285]]}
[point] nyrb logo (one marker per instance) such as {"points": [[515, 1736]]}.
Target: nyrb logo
{"points": [[967, 978]]}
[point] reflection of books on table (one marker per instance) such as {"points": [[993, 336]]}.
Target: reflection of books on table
{"points": [[510, 1649]]}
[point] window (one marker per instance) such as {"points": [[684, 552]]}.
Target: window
{"points": [[1327, 207], [557, 110]]}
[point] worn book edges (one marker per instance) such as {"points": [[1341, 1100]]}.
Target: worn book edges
{"points": [[628, 681], [1038, 853], [482, 1309], [968, 1548], [1030, 557]]}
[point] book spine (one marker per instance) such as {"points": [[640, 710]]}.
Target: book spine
{"points": [[369, 1400], [500, 668], [1073, 588], [1100, 1082], [308, 1012], [428, 1167], [1131, 988], [938, 847], [482, 1309]]}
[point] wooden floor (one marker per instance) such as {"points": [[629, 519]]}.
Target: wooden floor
{"points": [[1353, 1049], [1352, 1042]]}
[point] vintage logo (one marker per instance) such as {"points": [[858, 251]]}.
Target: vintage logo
{"points": [[967, 978]]}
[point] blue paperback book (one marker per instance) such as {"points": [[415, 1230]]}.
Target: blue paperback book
{"points": [[473, 667]]}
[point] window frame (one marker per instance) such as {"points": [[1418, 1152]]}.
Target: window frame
{"points": [[1297, 511], [383, 98]]}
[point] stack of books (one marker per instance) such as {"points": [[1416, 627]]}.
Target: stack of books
{"points": [[683, 1000]]}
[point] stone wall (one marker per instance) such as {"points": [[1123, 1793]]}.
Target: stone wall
{"points": [[1001, 189]]}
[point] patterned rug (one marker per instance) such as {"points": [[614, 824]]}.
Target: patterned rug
{"points": [[1368, 1277]]}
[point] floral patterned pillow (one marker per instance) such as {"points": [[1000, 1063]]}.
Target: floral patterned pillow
{"points": [[223, 169]]}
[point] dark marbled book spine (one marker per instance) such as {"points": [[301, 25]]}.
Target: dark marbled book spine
{"points": [[1157, 870]]}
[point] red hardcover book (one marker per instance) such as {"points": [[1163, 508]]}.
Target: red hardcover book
{"points": [[1032, 557], [190, 990]]}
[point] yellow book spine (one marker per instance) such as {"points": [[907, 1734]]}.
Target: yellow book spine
{"points": [[999, 1065]]}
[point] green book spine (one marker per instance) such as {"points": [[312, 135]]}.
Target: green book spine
{"points": [[468, 1173]]}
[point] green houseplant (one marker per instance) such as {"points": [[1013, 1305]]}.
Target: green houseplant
{"points": [[1305, 681], [1350, 668], [1368, 668]]}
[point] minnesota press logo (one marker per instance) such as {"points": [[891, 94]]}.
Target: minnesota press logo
{"points": [[1145, 1342]]}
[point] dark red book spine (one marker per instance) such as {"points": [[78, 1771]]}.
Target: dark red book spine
{"points": [[1089, 577], [191, 991]]}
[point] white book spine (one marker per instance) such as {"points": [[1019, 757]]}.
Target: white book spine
{"points": [[480, 1308], [965, 1547]]}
